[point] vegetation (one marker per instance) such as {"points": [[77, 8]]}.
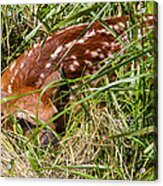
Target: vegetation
{"points": [[113, 134]]}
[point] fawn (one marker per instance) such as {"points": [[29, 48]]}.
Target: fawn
{"points": [[70, 53]]}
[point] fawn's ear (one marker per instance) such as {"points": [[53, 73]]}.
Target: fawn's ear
{"points": [[46, 137]]}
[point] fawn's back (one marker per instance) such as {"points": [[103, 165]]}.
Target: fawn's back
{"points": [[71, 52]]}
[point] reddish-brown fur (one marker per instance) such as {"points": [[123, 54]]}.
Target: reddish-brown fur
{"points": [[65, 52]]}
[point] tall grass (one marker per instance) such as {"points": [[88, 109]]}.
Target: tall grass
{"points": [[112, 134]]}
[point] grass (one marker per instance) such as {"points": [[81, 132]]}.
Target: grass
{"points": [[112, 135]]}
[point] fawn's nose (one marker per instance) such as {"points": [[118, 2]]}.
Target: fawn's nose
{"points": [[48, 138]]}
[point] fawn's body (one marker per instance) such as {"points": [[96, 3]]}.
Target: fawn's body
{"points": [[72, 52]]}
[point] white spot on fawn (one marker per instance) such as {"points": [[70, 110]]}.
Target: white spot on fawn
{"points": [[73, 57], [121, 24], [76, 63], [22, 65], [117, 44], [12, 79], [88, 62], [72, 68], [35, 45], [42, 75], [90, 34], [102, 31], [105, 43], [81, 41], [16, 71], [87, 51], [48, 65], [29, 53], [87, 36], [94, 53], [12, 66], [57, 51], [102, 56], [116, 27], [151, 17], [125, 38], [9, 89], [69, 44]]}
